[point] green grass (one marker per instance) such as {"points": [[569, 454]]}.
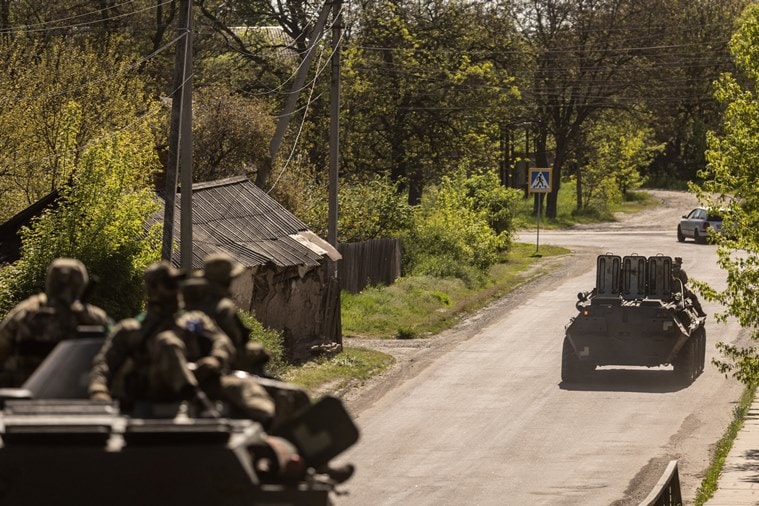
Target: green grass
{"points": [[709, 484], [421, 306], [335, 373], [567, 215]]}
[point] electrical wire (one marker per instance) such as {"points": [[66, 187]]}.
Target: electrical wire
{"points": [[32, 29], [297, 136]]}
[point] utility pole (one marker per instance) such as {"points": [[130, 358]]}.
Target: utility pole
{"points": [[179, 160], [300, 78], [334, 125]]}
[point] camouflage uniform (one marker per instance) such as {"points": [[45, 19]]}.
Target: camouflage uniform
{"points": [[679, 273], [239, 390], [33, 328], [150, 351], [220, 270]]}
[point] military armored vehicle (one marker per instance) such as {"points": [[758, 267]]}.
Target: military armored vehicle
{"points": [[638, 314], [58, 447]]}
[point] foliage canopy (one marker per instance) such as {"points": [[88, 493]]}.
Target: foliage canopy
{"points": [[730, 181]]}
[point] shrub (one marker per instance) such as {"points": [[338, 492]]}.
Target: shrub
{"points": [[453, 232], [99, 220]]}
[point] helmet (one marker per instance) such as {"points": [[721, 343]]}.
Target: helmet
{"points": [[162, 274], [221, 268], [194, 292], [162, 285], [66, 280]]}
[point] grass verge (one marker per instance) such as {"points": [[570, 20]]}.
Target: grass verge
{"points": [[709, 484], [335, 373], [567, 215], [421, 306]]}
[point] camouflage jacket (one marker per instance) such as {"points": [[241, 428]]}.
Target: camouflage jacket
{"points": [[33, 328], [128, 358]]}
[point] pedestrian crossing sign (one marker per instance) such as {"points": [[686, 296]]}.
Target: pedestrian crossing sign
{"points": [[540, 180]]}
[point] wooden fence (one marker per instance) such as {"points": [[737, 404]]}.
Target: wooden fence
{"points": [[372, 262]]}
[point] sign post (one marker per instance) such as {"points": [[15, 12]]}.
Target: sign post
{"points": [[539, 182]]}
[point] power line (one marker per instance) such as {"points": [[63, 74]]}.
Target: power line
{"points": [[44, 27]]}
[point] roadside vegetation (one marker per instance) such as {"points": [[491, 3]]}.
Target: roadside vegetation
{"points": [[709, 484]]}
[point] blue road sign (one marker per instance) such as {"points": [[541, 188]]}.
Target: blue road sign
{"points": [[540, 180]]}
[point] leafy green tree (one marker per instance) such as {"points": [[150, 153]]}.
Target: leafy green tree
{"points": [[451, 235], [676, 76], [99, 219], [730, 180], [618, 148], [424, 90], [582, 64], [36, 87]]}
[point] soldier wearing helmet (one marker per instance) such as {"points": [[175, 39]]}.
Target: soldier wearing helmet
{"points": [[149, 353], [33, 328], [678, 272], [219, 270], [240, 391]]}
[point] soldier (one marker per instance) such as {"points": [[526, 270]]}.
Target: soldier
{"points": [[239, 390], [33, 328], [213, 298], [220, 270], [679, 273], [148, 352]]}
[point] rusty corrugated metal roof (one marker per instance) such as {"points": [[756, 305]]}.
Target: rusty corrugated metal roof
{"points": [[236, 217]]}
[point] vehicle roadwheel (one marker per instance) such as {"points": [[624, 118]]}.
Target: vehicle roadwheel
{"points": [[572, 368], [684, 364], [680, 236], [698, 238]]}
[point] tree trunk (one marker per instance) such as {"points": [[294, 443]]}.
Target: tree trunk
{"points": [[541, 161]]}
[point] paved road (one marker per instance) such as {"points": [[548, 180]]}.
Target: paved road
{"points": [[478, 415]]}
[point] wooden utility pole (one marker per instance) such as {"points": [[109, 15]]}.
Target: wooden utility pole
{"points": [[292, 99], [179, 161], [334, 125]]}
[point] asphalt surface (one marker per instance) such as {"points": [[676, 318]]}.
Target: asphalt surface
{"points": [[479, 415]]}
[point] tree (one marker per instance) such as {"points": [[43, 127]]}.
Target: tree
{"points": [[617, 146], [230, 134], [679, 71], [584, 62], [425, 87], [100, 219], [730, 180], [39, 83]]}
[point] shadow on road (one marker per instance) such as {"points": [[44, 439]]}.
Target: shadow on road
{"points": [[628, 380]]}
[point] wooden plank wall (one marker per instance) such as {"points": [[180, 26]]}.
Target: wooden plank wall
{"points": [[372, 262]]}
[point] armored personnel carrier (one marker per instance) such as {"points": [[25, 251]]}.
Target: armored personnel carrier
{"points": [[638, 314], [58, 447]]}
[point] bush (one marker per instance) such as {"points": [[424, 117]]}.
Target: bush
{"points": [[453, 232], [99, 220], [369, 209]]}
